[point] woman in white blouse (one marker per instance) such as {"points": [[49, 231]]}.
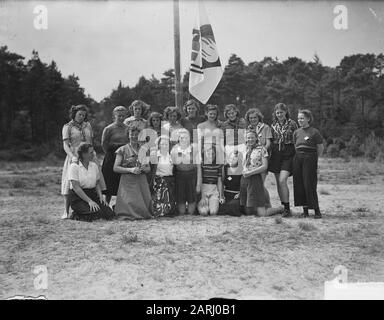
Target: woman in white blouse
{"points": [[85, 195]]}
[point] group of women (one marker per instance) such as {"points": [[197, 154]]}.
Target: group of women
{"points": [[172, 164]]}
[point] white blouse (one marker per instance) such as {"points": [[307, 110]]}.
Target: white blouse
{"points": [[87, 178]]}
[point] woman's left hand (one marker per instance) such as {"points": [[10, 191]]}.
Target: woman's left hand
{"points": [[102, 201]]}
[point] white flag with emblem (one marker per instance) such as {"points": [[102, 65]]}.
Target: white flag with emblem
{"points": [[205, 71]]}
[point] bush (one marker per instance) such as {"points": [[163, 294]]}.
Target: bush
{"points": [[353, 147], [333, 150], [372, 146], [345, 155]]}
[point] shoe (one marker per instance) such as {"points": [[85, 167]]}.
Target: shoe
{"points": [[286, 213], [318, 215], [65, 215], [304, 215]]}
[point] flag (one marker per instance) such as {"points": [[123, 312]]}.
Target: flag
{"points": [[205, 71]]}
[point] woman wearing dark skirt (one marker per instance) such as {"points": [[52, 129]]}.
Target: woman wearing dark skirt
{"points": [[283, 151], [185, 158], [309, 146], [114, 136], [85, 195]]}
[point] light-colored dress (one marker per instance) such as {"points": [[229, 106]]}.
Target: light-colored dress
{"points": [[133, 197], [75, 134]]}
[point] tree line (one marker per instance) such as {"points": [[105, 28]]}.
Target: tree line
{"points": [[347, 100]]}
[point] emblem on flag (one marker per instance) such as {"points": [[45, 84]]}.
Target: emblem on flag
{"points": [[205, 69]]}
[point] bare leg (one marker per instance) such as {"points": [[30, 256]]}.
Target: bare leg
{"points": [[277, 177], [66, 207], [181, 208], [267, 197], [191, 208], [261, 211], [284, 191]]}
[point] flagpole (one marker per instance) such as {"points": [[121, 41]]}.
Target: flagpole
{"points": [[176, 29]]}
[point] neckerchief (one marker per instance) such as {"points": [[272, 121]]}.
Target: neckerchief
{"points": [[280, 130], [248, 155], [80, 127]]}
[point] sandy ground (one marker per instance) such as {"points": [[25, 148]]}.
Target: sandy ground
{"points": [[190, 257]]}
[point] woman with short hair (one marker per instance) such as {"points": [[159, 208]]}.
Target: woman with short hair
{"points": [[85, 195], [162, 184], [154, 122], [133, 197], [283, 151], [172, 125], [138, 110], [185, 157], [233, 122], [309, 146], [76, 131], [191, 118], [114, 136], [255, 121]]}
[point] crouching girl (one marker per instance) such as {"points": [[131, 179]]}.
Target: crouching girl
{"points": [[255, 162], [209, 182]]}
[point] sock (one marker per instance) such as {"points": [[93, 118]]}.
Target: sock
{"points": [[286, 205], [305, 210], [317, 211]]}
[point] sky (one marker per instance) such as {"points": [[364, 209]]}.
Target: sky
{"points": [[103, 42]]}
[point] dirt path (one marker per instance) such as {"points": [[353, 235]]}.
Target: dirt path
{"points": [[191, 257]]}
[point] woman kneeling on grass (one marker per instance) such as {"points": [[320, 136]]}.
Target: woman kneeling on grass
{"points": [[133, 197], [85, 196], [309, 146], [255, 162]]}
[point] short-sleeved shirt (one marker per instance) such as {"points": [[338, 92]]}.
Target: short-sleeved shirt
{"points": [[114, 135], [164, 166], [256, 157], [131, 159], [228, 125], [77, 133], [87, 178], [283, 134], [140, 123], [211, 173], [263, 131], [191, 123], [307, 138]]}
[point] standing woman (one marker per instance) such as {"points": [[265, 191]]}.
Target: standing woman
{"points": [[185, 158], [233, 122], [114, 136], [139, 109], [255, 121], [255, 161], [74, 132], [133, 197], [163, 182], [192, 118], [209, 131], [154, 122], [172, 125], [309, 146], [283, 151]]}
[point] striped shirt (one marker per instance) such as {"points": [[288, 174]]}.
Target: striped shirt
{"points": [[211, 173]]}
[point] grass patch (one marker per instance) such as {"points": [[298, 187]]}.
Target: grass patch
{"points": [[306, 226], [18, 184], [324, 192], [278, 220], [129, 237]]}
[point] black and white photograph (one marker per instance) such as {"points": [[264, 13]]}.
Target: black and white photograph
{"points": [[177, 150]]}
